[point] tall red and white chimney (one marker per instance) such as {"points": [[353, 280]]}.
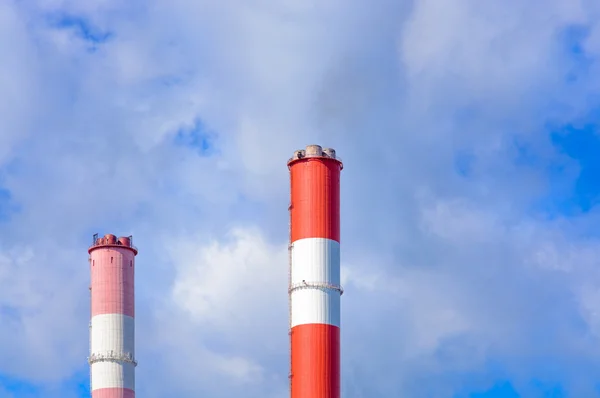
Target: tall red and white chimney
{"points": [[314, 285]]}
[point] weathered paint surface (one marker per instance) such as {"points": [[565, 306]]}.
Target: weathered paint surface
{"points": [[112, 332], [112, 281], [114, 393], [112, 375]]}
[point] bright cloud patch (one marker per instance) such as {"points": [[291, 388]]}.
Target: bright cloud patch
{"points": [[215, 282]]}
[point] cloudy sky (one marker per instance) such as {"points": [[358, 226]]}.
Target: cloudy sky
{"points": [[470, 241]]}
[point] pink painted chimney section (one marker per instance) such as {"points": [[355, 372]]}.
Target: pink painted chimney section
{"points": [[112, 326]]}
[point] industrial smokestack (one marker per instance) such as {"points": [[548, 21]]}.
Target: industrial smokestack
{"points": [[112, 341], [314, 284]]}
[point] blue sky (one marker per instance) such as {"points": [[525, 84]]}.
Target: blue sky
{"points": [[469, 133]]}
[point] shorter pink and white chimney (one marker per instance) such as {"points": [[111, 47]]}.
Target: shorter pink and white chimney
{"points": [[112, 327]]}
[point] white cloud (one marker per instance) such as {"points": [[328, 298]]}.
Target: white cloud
{"points": [[19, 80], [225, 319], [42, 307], [214, 282]]}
